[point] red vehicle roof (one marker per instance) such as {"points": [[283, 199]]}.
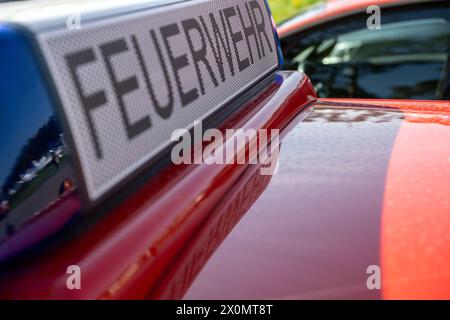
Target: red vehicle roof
{"points": [[361, 182]]}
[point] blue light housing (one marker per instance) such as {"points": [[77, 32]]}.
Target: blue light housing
{"points": [[35, 172]]}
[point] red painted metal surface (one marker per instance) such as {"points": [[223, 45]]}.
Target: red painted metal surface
{"points": [[361, 183], [125, 254], [415, 245]]}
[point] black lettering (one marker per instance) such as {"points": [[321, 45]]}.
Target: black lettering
{"points": [[200, 54], [226, 48], [121, 88], [260, 27], [88, 102], [215, 50], [249, 31], [166, 110], [219, 41], [178, 63], [236, 37]]}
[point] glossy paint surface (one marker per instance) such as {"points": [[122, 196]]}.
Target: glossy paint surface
{"points": [[358, 185], [416, 208], [125, 254]]}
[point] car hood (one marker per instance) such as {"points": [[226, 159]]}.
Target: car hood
{"points": [[360, 185]]}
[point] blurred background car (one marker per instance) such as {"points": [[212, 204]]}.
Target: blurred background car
{"points": [[406, 58]]}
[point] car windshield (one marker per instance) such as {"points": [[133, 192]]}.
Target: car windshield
{"points": [[406, 60]]}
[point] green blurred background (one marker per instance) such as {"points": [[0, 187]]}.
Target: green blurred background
{"points": [[283, 9]]}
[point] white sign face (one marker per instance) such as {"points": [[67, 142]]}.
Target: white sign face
{"points": [[127, 82]]}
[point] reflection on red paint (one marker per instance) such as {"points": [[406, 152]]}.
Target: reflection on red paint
{"points": [[416, 213]]}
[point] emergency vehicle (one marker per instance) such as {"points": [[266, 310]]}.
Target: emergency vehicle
{"points": [[357, 208]]}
